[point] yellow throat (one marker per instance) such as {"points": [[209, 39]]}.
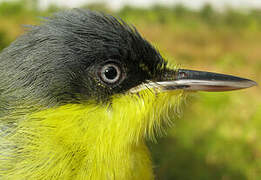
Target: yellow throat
{"points": [[90, 141]]}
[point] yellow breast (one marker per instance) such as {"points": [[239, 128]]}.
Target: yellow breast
{"points": [[90, 141]]}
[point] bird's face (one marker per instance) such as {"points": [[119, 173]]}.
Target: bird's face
{"points": [[99, 64], [107, 57], [82, 56]]}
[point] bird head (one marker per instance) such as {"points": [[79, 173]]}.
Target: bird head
{"points": [[81, 92], [89, 75]]}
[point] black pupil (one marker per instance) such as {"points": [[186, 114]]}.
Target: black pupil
{"points": [[110, 72]]}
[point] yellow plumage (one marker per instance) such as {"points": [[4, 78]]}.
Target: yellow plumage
{"points": [[86, 141]]}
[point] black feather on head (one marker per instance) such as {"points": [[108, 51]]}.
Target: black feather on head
{"points": [[75, 56]]}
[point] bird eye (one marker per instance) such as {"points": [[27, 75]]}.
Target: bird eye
{"points": [[110, 73]]}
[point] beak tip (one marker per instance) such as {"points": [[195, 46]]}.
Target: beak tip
{"points": [[252, 83], [246, 83]]}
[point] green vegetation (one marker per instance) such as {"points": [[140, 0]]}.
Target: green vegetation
{"points": [[218, 134]]}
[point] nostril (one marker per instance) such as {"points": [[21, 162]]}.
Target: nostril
{"points": [[182, 75]]}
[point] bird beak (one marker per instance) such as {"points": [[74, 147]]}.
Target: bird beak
{"points": [[190, 80]]}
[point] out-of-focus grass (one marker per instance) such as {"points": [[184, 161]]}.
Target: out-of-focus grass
{"points": [[218, 134]]}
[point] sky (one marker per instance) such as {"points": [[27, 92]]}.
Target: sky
{"points": [[116, 4]]}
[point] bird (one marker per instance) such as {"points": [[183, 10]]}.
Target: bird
{"points": [[82, 93]]}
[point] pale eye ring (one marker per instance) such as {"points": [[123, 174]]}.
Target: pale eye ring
{"points": [[110, 73]]}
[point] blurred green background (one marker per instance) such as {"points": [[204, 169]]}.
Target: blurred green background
{"points": [[218, 135]]}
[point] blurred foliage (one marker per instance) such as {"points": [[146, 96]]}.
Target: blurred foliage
{"points": [[3, 39], [218, 134]]}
